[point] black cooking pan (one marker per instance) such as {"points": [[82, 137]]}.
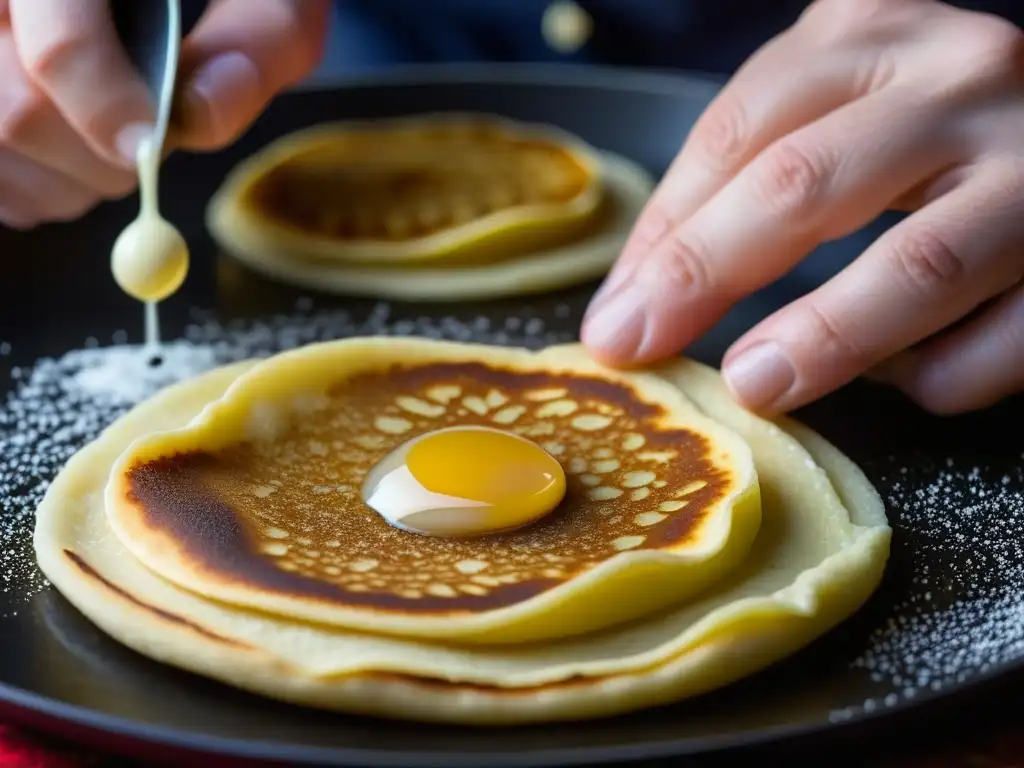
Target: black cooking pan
{"points": [[945, 620]]}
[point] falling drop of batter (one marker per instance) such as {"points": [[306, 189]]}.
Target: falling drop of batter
{"points": [[150, 258]]}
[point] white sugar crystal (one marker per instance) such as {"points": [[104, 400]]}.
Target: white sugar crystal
{"points": [[964, 613]]}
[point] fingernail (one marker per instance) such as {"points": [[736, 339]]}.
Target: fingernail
{"points": [[224, 76], [127, 141], [617, 325], [760, 376]]}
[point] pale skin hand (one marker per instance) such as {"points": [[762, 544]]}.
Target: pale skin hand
{"points": [[862, 106], [72, 109]]}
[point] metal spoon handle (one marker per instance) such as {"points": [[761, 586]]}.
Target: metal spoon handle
{"points": [[170, 74], [150, 31]]}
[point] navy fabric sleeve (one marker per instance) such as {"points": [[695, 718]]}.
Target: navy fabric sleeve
{"points": [[703, 35], [687, 34]]}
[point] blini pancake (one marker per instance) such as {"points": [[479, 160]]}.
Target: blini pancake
{"points": [[256, 502], [821, 552], [449, 187], [437, 207], [547, 269]]}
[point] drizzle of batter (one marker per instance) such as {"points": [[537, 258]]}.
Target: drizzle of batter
{"points": [[150, 257]]}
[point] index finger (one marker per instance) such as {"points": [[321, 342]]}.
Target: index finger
{"points": [[240, 55], [773, 94], [71, 50]]}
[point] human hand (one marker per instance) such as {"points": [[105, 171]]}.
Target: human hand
{"points": [[862, 106], [72, 108]]}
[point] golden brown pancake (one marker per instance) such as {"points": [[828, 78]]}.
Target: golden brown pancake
{"points": [[634, 485], [431, 207], [275, 518], [395, 184], [448, 188], [820, 553]]}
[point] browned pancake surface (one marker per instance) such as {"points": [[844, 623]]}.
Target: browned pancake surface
{"points": [[286, 515], [397, 184]]}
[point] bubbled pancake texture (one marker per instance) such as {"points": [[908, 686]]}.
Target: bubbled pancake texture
{"points": [[630, 484], [397, 184]]}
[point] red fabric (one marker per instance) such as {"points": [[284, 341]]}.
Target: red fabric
{"points": [[20, 749]]}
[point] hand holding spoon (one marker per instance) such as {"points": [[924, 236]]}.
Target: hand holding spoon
{"points": [[150, 258]]}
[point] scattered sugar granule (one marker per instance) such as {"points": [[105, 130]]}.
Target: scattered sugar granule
{"points": [[57, 405], [968, 524], [963, 613]]}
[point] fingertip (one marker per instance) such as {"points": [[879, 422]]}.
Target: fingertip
{"points": [[637, 324], [937, 404], [238, 57], [931, 388], [599, 355], [128, 139], [219, 101], [761, 377], [615, 326]]}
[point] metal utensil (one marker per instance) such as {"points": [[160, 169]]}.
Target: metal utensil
{"points": [[150, 31]]}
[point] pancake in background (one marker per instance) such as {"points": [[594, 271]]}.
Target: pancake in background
{"points": [[257, 503], [448, 187], [435, 207], [820, 553]]}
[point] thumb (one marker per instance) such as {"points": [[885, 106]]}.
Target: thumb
{"points": [[240, 55]]}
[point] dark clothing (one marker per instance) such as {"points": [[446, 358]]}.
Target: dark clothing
{"points": [[708, 36], [701, 35]]}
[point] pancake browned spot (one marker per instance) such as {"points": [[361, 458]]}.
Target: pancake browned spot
{"points": [[395, 183], [90, 572], [286, 514], [441, 685]]}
